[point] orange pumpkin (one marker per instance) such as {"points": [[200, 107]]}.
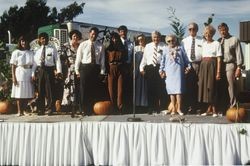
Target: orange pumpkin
{"points": [[4, 107], [236, 114], [58, 105], [103, 108]]}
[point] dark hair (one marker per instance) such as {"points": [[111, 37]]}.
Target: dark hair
{"points": [[114, 35], [115, 46], [95, 29], [122, 27], [78, 34], [23, 38], [223, 25], [45, 35]]}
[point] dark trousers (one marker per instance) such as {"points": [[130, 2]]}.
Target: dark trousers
{"points": [[46, 88], [157, 97], [89, 86], [191, 95], [128, 88]]}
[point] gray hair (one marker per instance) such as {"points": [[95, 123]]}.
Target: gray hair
{"points": [[156, 33], [194, 25]]}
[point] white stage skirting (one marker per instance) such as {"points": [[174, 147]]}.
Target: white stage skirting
{"points": [[123, 143]]}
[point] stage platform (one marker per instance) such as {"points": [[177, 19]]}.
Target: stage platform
{"points": [[111, 140]]}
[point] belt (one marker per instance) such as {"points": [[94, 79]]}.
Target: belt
{"points": [[26, 66], [115, 63], [208, 58]]}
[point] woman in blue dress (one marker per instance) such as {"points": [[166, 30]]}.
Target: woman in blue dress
{"points": [[174, 65]]}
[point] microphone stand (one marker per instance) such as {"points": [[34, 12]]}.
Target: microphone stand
{"points": [[134, 119]]}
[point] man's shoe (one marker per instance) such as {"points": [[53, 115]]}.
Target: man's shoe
{"points": [[50, 113], [40, 113]]}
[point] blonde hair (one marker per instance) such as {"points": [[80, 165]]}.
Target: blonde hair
{"points": [[209, 29]]}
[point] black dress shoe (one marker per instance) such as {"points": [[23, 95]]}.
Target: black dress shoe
{"points": [[150, 112], [50, 113], [40, 113]]}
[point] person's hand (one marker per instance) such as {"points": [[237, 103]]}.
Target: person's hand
{"points": [[78, 76], [33, 78], [218, 76], [142, 73], [237, 72], [187, 70], [59, 76], [15, 82], [162, 74]]}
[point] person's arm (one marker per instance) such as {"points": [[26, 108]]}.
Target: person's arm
{"points": [[239, 58], [13, 71], [218, 68], [162, 65], [57, 61], [78, 60], [143, 61]]}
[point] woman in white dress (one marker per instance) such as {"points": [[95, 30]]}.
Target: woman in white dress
{"points": [[21, 61]]}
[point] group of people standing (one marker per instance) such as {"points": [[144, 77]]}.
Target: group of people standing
{"points": [[190, 71]]}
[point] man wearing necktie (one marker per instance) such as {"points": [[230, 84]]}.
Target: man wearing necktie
{"points": [[149, 68], [128, 68], [89, 65], [231, 63], [48, 64], [193, 47]]}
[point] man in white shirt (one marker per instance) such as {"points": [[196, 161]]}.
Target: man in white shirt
{"points": [[193, 47], [128, 68], [149, 68], [89, 64], [46, 61]]}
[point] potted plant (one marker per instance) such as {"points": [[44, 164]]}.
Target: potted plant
{"points": [[5, 79]]}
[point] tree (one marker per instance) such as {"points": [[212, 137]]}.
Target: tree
{"points": [[27, 19], [70, 12], [177, 26]]}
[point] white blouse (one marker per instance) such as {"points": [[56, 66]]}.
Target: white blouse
{"points": [[212, 49]]}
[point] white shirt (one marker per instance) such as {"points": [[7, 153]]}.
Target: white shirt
{"points": [[51, 58], [187, 44], [149, 53], [83, 55], [212, 49]]}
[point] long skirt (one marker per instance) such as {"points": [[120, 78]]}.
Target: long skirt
{"points": [[207, 81]]}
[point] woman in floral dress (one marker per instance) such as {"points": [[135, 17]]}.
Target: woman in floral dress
{"points": [[71, 86]]}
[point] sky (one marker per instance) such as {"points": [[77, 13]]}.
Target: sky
{"points": [[149, 15]]}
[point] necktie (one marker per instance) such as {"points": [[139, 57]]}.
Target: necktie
{"points": [[43, 57], [222, 46], [155, 56], [93, 53], [193, 50]]}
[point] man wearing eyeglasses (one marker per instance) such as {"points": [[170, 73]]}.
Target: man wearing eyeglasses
{"points": [[193, 47]]}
